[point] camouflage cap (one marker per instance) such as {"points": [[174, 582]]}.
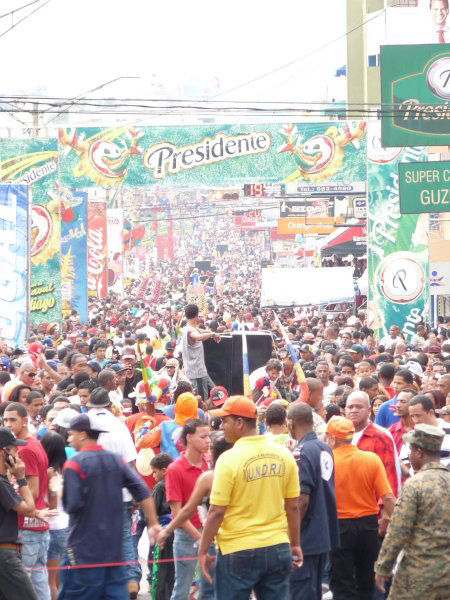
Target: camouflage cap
{"points": [[425, 436]]}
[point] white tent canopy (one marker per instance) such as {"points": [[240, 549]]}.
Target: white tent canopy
{"points": [[301, 287]]}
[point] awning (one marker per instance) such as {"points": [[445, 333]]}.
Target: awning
{"points": [[351, 240]]}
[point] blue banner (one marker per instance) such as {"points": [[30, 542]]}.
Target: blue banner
{"points": [[74, 281], [14, 277]]}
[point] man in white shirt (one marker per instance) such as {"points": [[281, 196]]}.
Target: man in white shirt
{"points": [[118, 439], [390, 341]]}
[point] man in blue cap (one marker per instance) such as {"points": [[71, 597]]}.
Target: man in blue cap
{"points": [[93, 482]]}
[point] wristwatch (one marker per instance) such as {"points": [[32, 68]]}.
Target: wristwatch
{"points": [[22, 482]]}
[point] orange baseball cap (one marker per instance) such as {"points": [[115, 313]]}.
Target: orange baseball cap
{"points": [[186, 407], [238, 406], [341, 428]]}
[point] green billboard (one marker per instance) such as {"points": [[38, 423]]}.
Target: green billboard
{"points": [[213, 154], [35, 162], [397, 244], [415, 94], [424, 187]]}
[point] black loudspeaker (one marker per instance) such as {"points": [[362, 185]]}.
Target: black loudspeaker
{"points": [[203, 265], [224, 360]]}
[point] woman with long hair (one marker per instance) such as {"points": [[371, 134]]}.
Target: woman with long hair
{"points": [[54, 447]]}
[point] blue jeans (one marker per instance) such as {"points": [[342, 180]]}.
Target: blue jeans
{"points": [[265, 570], [102, 583], [185, 547], [34, 556], [306, 582], [129, 550], [58, 543]]}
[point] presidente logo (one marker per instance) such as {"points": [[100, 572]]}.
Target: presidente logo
{"points": [[423, 98], [438, 77], [165, 158]]}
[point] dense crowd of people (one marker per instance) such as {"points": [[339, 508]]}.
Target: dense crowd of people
{"points": [[331, 480]]}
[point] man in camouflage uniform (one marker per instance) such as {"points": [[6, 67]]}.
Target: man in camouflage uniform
{"points": [[419, 530]]}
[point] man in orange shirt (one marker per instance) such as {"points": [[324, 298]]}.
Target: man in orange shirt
{"points": [[361, 481]]}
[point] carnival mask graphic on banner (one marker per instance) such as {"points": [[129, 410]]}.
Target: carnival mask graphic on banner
{"points": [[203, 155], [101, 159], [400, 291]]}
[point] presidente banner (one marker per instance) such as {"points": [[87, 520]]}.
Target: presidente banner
{"points": [[115, 250], [415, 94], [74, 253], [397, 244], [96, 250], [14, 249], [35, 162], [208, 154]]}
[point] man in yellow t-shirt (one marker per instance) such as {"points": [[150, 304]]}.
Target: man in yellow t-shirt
{"points": [[254, 510]]}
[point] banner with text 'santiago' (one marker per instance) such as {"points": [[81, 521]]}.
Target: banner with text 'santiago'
{"points": [[35, 163], [208, 154], [74, 253], [15, 263], [397, 244]]}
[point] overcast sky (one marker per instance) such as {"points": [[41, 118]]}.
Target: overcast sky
{"points": [[175, 47]]}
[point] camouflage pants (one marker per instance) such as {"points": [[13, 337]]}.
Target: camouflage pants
{"points": [[414, 584]]}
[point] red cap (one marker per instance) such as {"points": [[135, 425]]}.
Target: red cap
{"points": [[218, 395], [238, 406]]}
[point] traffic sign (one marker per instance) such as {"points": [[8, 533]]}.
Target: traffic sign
{"points": [[424, 187]]}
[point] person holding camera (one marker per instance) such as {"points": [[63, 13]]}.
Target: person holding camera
{"points": [[14, 580]]}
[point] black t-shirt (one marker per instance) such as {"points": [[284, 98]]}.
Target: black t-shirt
{"points": [[159, 498], [9, 519], [130, 384]]}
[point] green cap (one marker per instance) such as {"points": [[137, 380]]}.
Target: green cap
{"points": [[425, 436]]}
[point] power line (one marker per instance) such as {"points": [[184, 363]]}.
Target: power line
{"points": [[11, 12], [305, 56], [24, 18], [54, 101]]}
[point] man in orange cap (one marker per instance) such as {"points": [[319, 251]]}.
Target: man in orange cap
{"points": [[360, 482], [254, 510]]}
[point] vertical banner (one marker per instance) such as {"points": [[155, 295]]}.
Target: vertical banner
{"points": [[35, 162], [15, 263], [74, 253], [397, 244], [96, 248], [115, 250]]}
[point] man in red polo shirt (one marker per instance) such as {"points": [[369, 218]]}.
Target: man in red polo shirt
{"points": [[34, 534], [180, 481]]}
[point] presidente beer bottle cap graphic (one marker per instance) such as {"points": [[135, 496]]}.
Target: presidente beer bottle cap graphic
{"points": [[438, 77], [402, 278]]}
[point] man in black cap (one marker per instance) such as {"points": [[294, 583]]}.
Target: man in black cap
{"points": [[93, 482], [14, 581], [170, 350]]}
